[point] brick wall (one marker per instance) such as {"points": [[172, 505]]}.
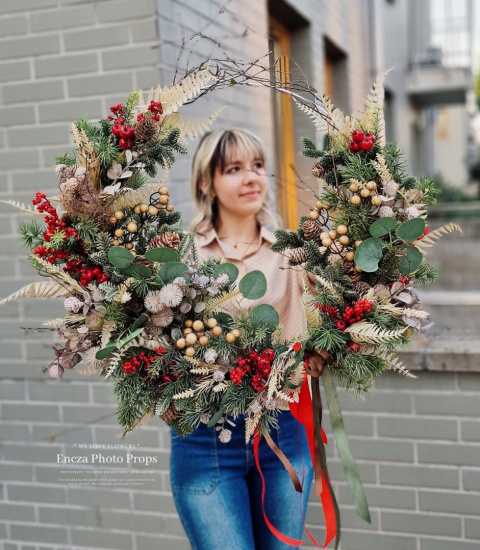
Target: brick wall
{"points": [[416, 441]]}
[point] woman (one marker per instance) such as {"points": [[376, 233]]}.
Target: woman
{"points": [[216, 486]]}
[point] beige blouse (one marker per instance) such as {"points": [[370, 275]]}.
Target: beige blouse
{"points": [[284, 283]]}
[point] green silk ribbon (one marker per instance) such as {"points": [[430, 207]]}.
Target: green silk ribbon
{"points": [[343, 447]]}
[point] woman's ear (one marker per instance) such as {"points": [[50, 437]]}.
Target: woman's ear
{"points": [[203, 186]]}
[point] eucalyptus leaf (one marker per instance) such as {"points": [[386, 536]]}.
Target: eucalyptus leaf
{"points": [[162, 255], [137, 270], [140, 321], [229, 269], [199, 307], [253, 285], [411, 261], [382, 226], [266, 314], [120, 257], [215, 418], [106, 351], [171, 270], [410, 230], [223, 319], [124, 341], [368, 254]]}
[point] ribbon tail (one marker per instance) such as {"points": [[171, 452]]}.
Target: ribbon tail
{"points": [[329, 502], [286, 463], [351, 471], [273, 529]]}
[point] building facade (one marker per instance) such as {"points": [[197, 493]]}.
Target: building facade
{"points": [[416, 441]]}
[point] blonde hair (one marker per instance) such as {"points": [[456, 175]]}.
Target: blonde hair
{"points": [[214, 152]]}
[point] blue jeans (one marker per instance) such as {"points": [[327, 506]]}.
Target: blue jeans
{"points": [[217, 488]]}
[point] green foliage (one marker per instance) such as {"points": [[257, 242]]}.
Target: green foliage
{"points": [[115, 312], [286, 239], [310, 149], [327, 337], [103, 244], [161, 152], [387, 267], [129, 106], [357, 372], [429, 191], [425, 275], [31, 233], [356, 167], [67, 159], [134, 399], [315, 257], [87, 230]]}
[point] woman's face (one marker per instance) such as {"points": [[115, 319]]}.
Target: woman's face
{"points": [[240, 190]]}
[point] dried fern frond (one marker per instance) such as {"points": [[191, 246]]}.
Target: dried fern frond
{"points": [[184, 394], [191, 128], [173, 97], [382, 168], [200, 370], [221, 387], [215, 303], [44, 289], [409, 312], [117, 357], [312, 314], [55, 272], [368, 333], [318, 120], [396, 365], [87, 155], [129, 198], [251, 424], [330, 287], [54, 322], [27, 209], [199, 363], [107, 330], [367, 120], [431, 238]]}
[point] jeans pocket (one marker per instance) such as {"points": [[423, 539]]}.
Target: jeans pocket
{"points": [[194, 462]]}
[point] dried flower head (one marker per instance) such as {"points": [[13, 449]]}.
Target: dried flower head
{"points": [[153, 301], [171, 295], [390, 188], [225, 435], [162, 318], [385, 212], [72, 304], [221, 280], [411, 213], [218, 376], [210, 356]]}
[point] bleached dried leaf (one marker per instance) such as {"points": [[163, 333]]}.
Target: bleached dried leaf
{"points": [[396, 365], [28, 209], [45, 289], [431, 238], [369, 333], [215, 303], [409, 312], [129, 198], [191, 128], [184, 394]]}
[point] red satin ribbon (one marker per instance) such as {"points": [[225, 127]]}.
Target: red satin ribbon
{"points": [[273, 529], [303, 412]]}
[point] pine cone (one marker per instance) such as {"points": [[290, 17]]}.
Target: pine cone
{"points": [[312, 230], [349, 269], [362, 288], [318, 170], [145, 262], [135, 304], [170, 414], [145, 129], [167, 239], [298, 255]]}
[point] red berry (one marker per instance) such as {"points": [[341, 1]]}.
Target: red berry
{"points": [[369, 136], [354, 346], [354, 146], [357, 135], [116, 130], [366, 145], [341, 325]]}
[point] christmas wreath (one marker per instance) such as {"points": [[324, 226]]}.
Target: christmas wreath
{"points": [[143, 311]]}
